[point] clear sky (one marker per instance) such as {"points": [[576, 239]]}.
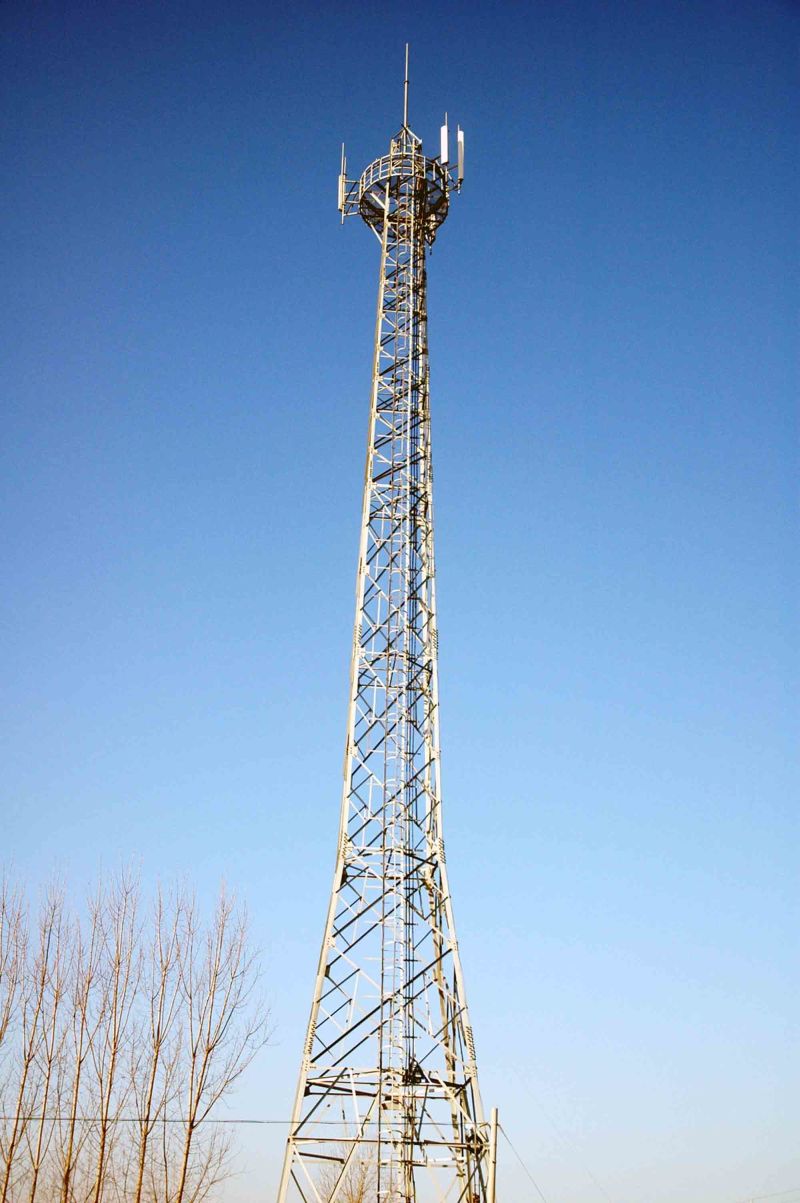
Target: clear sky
{"points": [[184, 384]]}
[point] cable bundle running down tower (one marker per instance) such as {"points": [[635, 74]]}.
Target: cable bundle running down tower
{"points": [[388, 1108]]}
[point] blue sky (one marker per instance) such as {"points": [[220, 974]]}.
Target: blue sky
{"points": [[184, 401]]}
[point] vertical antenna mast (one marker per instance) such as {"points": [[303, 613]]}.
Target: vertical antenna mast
{"points": [[405, 93], [387, 1108]]}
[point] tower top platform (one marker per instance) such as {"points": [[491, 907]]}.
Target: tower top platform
{"points": [[379, 189]]}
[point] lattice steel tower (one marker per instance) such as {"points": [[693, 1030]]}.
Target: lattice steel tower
{"points": [[388, 1108]]}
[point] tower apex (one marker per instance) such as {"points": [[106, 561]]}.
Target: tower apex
{"points": [[374, 195]]}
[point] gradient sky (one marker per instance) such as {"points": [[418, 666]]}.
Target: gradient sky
{"points": [[184, 400]]}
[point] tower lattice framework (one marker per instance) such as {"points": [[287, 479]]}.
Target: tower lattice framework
{"points": [[388, 1108]]}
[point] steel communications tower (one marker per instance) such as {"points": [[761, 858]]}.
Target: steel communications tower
{"points": [[388, 1108]]}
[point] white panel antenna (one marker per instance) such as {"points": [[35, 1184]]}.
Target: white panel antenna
{"points": [[444, 157], [460, 171], [342, 177]]}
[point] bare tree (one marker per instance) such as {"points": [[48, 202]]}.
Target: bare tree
{"points": [[55, 952], [119, 978], [223, 1031], [87, 1017], [153, 1051], [13, 957], [118, 1039], [23, 1000], [12, 927], [360, 1183]]}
